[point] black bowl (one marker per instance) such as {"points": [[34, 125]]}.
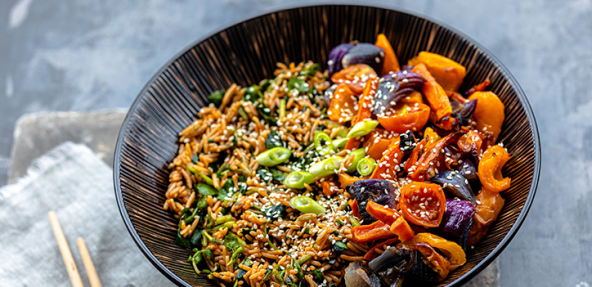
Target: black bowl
{"points": [[246, 53]]}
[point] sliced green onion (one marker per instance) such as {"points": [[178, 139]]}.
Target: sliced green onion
{"points": [[354, 222], [273, 156], [243, 113], [339, 143], [362, 128], [303, 259], [340, 222], [297, 179], [357, 156], [282, 111], [366, 166], [267, 237], [205, 178], [306, 204], [323, 143], [326, 167]]}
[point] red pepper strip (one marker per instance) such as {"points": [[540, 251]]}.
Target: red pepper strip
{"points": [[414, 156], [479, 87], [354, 206], [375, 231], [388, 165], [382, 213], [402, 229], [371, 254], [430, 155], [364, 105]]}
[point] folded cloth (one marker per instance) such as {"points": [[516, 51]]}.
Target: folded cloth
{"points": [[78, 186]]}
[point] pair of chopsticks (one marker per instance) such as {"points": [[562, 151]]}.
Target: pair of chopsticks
{"points": [[93, 277]]}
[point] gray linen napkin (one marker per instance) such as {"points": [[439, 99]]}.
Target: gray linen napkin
{"points": [[74, 182]]}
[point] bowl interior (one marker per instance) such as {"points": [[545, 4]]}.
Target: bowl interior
{"points": [[247, 53]]}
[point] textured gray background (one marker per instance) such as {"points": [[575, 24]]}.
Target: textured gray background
{"points": [[85, 55]]}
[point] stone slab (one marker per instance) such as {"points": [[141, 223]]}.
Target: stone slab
{"points": [[40, 132]]}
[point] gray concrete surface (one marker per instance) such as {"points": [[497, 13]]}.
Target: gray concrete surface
{"points": [[87, 55]]}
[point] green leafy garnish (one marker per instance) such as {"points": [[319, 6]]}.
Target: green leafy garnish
{"points": [[278, 174], [298, 84], [339, 246], [216, 97], [206, 189], [275, 211], [274, 140]]}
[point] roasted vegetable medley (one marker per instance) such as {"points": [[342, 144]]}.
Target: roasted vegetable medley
{"points": [[366, 174]]}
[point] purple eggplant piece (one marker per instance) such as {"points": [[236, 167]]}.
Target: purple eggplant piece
{"points": [[328, 95], [455, 185], [334, 64], [466, 113], [468, 169], [394, 87], [391, 266], [364, 53], [377, 190], [457, 217], [407, 142]]}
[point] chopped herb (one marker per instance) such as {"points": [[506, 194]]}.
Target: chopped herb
{"points": [[264, 174], [180, 240], [274, 140], [335, 232], [339, 246], [298, 84], [216, 97], [206, 189], [278, 174], [306, 230], [242, 113], [275, 211], [319, 275], [241, 273]]}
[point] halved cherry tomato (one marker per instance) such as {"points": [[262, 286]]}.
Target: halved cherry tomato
{"points": [[451, 250], [371, 254], [404, 117], [447, 72], [388, 166], [411, 163], [479, 87], [375, 231], [434, 93], [354, 206], [489, 114], [427, 158], [490, 169], [402, 229], [382, 213], [376, 142], [355, 76], [470, 143], [365, 104], [330, 187], [344, 104], [434, 260], [391, 64], [422, 203], [489, 205]]}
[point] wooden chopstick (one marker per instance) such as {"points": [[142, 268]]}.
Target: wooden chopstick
{"points": [[66, 254], [93, 277]]}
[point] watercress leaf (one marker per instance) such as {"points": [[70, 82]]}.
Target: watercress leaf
{"points": [[339, 246], [298, 84], [231, 242], [196, 237], [275, 211], [319, 275], [206, 189], [180, 240], [278, 174], [274, 140], [264, 174]]}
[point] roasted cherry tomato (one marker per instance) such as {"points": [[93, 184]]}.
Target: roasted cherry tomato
{"points": [[375, 231], [355, 76], [404, 117], [490, 169], [388, 166], [344, 104], [330, 187], [489, 114], [422, 203], [391, 63], [377, 142], [434, 94], [382, 213], [451, 250], [489, 205], [402, 229]]}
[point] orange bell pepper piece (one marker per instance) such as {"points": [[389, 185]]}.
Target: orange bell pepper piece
{"points": [[343, 105], [451, 250], [391, 64], [388, 166], [330, 187], [375, 231], [489, 205], [479, 87], [470, 143], [353, 204], [402, 229], [489, 114], [434, 93], [406, 117], [490, 169], [447, 72], [414, 156], [434, 137], [376, 142], [382, 213], [434, 260], [365, 104]]}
